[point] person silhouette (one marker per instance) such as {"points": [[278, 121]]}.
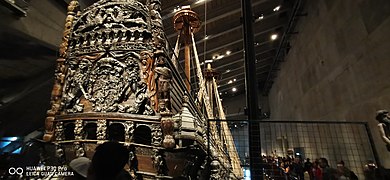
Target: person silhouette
{"points": [[383, 117], [108, 162]]}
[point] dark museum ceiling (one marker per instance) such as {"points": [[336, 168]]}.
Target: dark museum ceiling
{"points": [[27, 67]]}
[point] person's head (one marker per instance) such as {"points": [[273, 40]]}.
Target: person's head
{"points": [[109, 160], [370, 164], [308, 160], [80, 167], [382, 116], [340, 166], [316, 163], [297, 160], [340, 163], [323, 163]]}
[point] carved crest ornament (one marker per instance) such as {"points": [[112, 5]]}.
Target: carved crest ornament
{"points": [[112, 60], [112, 79]]}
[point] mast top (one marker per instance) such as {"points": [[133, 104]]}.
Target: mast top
{"points": [[186, 19]]}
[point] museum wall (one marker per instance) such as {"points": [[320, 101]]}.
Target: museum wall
{"points": [[338, 66]]}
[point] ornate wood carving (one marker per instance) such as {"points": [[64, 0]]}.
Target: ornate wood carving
{"points": [[79, 149], [157, 135], [101, 129], [78, 130], [159, 162], [114, 69], [167, 125], [148, 65], [60, 153], [215, 170], [129, 131], [59, 78], [59, 131]]}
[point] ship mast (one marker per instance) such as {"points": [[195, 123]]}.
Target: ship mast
{"points": [[187, 22]]}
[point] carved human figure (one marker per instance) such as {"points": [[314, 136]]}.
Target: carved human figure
{"points": [[148, 66], [164, 78], [74, 87], [215, 170], [383, 117], [159, 162], [167, 125]]}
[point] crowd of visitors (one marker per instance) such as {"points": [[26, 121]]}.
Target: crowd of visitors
{"points": [[295, 168]]}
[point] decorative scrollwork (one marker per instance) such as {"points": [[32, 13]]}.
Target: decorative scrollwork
{"points": [[101, 129], [78, 129], [103, 66], [60, 72], [60, 153], [79, 149], [215, 170], [129, 130], [59, 132], [157, 135]]}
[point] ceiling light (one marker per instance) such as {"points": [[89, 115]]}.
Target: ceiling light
{"points": [[219, 86], [234, 89], [274, 36], [220, 56], [208, 61], [220, 93], [234, 80], [186, 7], [261, 17], [177, 8], [199, 1], [277, 8], [227, 70], [228, 52], [230, 82], [206, 37]]}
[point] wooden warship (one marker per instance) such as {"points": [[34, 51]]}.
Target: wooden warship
{"points": [[116, 81]]}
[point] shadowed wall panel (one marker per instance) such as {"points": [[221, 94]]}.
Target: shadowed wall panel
{"points": [[337, 67]]}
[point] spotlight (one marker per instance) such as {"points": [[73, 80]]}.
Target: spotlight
{"points": [[209, 61], [277, 8], [274, 36], [261, 17]]}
